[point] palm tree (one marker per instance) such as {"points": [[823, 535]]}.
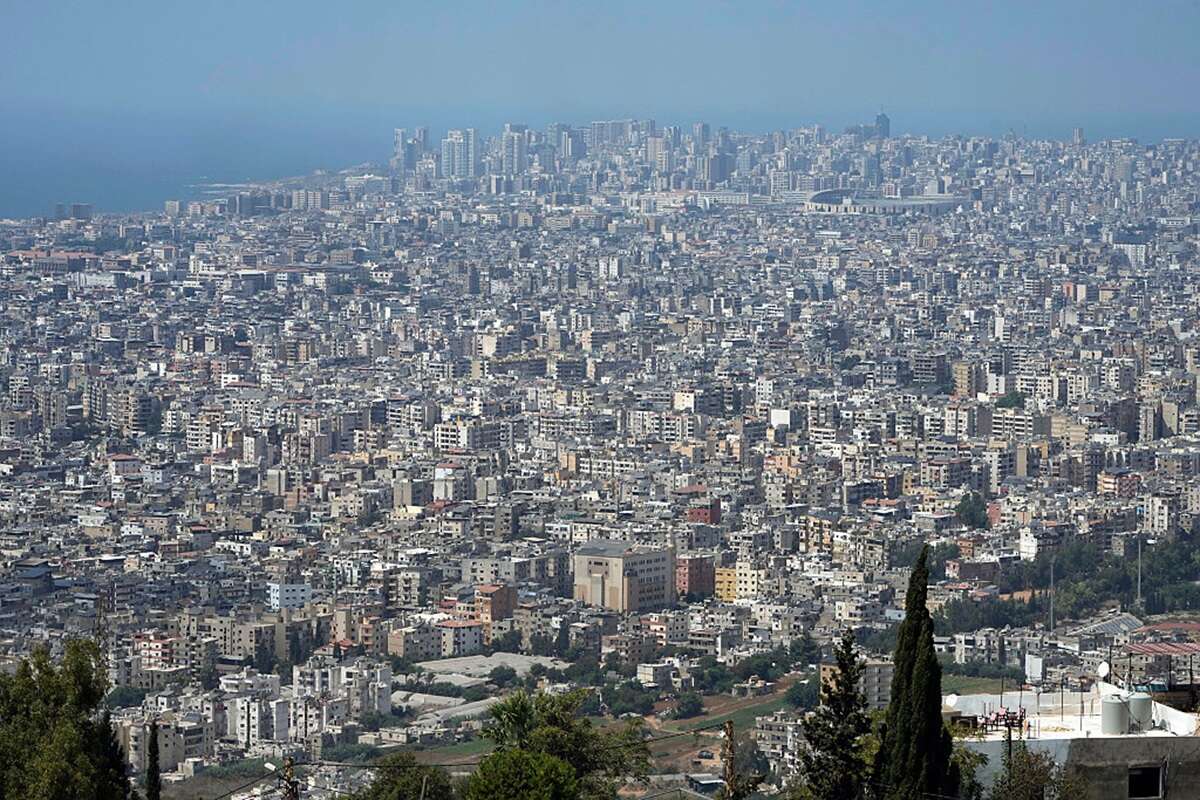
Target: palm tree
{"points": [[513, 720]]}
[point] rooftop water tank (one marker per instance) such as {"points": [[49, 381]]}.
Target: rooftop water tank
{"points": [[1141, 711], [1114, 716]]}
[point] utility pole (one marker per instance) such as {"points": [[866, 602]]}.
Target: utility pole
{"points": [[728, 755], [737, 787], [291, 786]]}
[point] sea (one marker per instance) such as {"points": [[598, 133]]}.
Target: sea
{"points": [[126, 160]]}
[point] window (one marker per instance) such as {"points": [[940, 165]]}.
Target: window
{"points": [[1145, 783]]}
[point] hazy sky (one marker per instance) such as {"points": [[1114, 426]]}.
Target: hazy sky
{"points": [[578, 59], [96, 96]]}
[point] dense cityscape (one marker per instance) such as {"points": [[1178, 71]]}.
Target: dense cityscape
{"points": [[635, 418]]}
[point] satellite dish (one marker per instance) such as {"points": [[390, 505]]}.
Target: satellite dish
{"points": [[951, 700], [1103, 670]]}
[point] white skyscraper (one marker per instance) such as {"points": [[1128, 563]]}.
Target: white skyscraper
{"points": [[514, 155], [460, 154]]}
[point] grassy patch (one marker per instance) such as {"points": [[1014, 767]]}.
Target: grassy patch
{"points": [[743, 718], [215, 781], [962, 684], [473, 747]]}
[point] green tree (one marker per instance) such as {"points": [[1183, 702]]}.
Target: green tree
{"points": [[629, 697], [208, 677], [53, 743], [373, 720], [153, 773], [554, 725], [803, 694], [914, 758], [562, 641], [111, 757], [1029, 775], [614, 663], [125, 697], [803, 651], [972, 511], [473, 694], [768, 666], [541, 645], [295, 648], [712, 677], [502, 676], [283, 668], [508, 642], [689, 705], [969, 762], [881, 640], [400, 776], [833, 765], [263, 661], [1013, 399], [522, 775]]}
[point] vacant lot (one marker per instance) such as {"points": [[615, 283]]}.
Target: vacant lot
{"points": [[961, 684], [455, 753]]}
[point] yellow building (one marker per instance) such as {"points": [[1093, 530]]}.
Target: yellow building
{"points": [[726, 583]]}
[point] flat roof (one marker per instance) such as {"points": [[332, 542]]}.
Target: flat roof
{"points": [[1066, 715], [481, 666]]}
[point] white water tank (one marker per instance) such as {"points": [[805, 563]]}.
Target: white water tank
{"points": [[1141, 711], [1114, 716]]}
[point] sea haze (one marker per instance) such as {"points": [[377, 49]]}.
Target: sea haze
{"points": [[134, 160]]}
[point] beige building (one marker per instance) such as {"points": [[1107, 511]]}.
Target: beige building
{"points": [[726, 584], [622, 577], [876, 682], [181, 736]]}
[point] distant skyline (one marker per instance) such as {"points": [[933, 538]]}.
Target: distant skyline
{"points": [[125, 104]]}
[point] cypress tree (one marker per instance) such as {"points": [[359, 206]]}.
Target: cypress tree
{"points": [[153, 778], [915, 750], [110, 761]]}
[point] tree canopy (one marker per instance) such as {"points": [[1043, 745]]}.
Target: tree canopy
{"points": [[1030, 775], [915, 752], [400, 776], [1013, 399], [54, 743], [153, 773], [972, 511], [522, 775], [833, 766], [555, 726], [689, 705], [804, 694]]}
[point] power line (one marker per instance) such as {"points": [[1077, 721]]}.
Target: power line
{"points": [[931, 795], [337, 793], [376, 765], [245, 785]]}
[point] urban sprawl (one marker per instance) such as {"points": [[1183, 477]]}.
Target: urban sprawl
{"points": [[329, 466]]}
